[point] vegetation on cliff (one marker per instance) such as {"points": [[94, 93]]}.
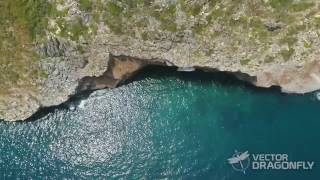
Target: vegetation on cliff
{"points": [[21, 21], [26, 22], [254, 23], [236, 35]]}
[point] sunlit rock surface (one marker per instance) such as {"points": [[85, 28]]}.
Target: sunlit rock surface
{"points": [[48, 47]]}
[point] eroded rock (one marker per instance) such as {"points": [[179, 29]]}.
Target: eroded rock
{"points": [[50, 50]]}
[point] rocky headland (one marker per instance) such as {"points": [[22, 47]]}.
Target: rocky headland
{"points": [[51, 50]]}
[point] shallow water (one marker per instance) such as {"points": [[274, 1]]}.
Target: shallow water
{"points": [[165, 124]]}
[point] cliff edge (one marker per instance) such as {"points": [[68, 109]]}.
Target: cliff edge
{"points": [[51, 50]]}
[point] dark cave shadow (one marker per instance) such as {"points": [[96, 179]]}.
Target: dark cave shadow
{"points": [[158, 72], [45, 111], [222, 78]]}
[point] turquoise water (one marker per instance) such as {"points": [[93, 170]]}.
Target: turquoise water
{"points": [[165, 125]]}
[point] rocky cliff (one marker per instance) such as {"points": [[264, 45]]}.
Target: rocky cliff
{"points": [[53, 49]]}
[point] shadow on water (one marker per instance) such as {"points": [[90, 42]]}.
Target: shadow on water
{"points": [[45, 111], [231, 116], [158, 72], [203, 77]]}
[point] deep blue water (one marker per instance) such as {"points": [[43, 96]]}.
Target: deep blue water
{"points": [[165, 124]]}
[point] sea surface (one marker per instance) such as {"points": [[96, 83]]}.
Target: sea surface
{"points": [[165, 124]]}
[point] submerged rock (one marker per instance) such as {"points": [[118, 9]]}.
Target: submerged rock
{"points": [[318, 95], [52, 50], [186, 69]]}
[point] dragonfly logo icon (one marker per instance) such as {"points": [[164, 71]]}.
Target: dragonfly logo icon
{"points": [[240, 161]]}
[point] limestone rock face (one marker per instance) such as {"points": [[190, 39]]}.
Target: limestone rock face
{"points": [[53, 49]]}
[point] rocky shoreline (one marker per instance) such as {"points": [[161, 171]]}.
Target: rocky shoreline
{"points": [[121, 68]]}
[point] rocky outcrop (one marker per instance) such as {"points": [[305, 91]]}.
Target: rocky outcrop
{"points": [[119, 69], [52, 50], [292, 79]]}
